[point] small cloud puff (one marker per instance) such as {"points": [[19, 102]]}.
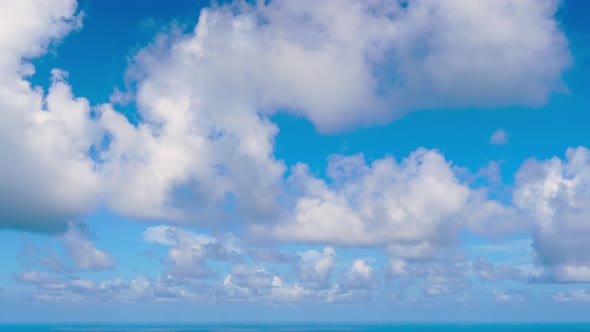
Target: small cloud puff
{"points": [[499, 137], [509, 296]]}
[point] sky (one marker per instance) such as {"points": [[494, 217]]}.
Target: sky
{"points": [[294, 160]]}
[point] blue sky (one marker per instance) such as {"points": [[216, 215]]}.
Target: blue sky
{"points": [[294, 160]]}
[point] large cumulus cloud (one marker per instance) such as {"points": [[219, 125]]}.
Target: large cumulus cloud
{"points": [[555, 195], [204, 146], [46, 174]]}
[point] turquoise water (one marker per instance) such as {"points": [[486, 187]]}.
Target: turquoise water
{"points": [[302, 328]]}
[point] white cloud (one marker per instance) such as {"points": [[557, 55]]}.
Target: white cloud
{"points": [[244, 284], [189, 252], [53, 288], [414, 206], [199, 151], [205, 141], [398, 267], [187, 257], [367, 62], [360, 275], [554, 194], [316, 268], [202, 147], [576, 296], [255, 282], [247, 283], [257, 277], [81, 249], [281, 292], [508, 296], [457, 41], [45, 136], [47, 139], [29, 26], [499, 137]]}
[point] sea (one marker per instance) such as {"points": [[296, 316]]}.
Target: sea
{"points": [[569, 327]]}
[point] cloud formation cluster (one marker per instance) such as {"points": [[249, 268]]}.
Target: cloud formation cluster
{"points": [[203, 149], [205, 97], [193, 273]]}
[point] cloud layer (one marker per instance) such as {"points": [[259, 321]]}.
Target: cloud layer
{"points": [[205, 138], [203, 151]]}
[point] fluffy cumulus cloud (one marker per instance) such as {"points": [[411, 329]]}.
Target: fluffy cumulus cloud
{"points": [[189, 252], [360, 275], [246, 282], [372, 61], [199, 151], [412, 206], [316, 268], [205, 96], [555, 195], [485, 53], [385, 202], [256, 283], [205, 141], [45, 136], [30, 26]]}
